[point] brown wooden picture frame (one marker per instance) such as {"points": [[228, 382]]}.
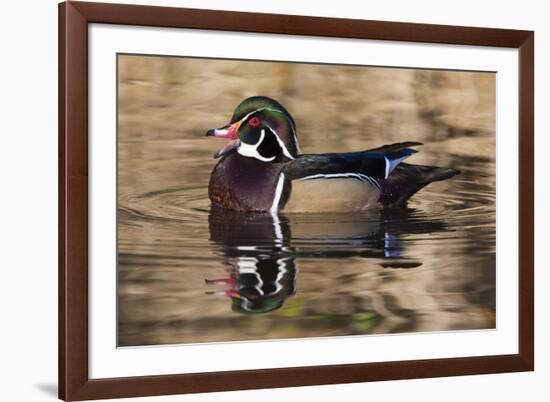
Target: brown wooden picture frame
{"points": [[74, 381]]}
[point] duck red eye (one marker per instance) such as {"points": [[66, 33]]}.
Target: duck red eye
{"points": [[254, 122]]}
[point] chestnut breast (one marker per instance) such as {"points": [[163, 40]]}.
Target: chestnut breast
{"points": [[245, 184]]}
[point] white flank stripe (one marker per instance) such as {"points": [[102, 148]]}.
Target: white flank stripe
{"points": [[358, 176], [278, 193], [387, 167]]}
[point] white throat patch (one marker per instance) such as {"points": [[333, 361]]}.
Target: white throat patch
{"points": [[251, 150]]}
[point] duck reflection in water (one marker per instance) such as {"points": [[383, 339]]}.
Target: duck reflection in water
{"points": [[259, 250], [258, 258]]}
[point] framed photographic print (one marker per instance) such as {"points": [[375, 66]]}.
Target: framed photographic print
{"points": [[259, 200]]}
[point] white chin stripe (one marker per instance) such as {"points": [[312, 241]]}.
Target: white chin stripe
{"points": [[251, 151]]}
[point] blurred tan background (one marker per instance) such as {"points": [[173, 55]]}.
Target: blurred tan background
{"points": [[335, 107]]}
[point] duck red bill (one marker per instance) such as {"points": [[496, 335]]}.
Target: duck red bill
{"points": [[226, 149], [230, 132]]}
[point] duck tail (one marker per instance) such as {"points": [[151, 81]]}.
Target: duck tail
{"points": [[407, 179]]}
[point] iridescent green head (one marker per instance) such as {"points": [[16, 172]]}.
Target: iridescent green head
{"points": [[260, 128]]}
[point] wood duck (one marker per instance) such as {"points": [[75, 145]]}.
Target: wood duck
{"points": [[262, 168]]}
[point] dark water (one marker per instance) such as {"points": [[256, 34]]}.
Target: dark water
{"points": [[189, 274]]}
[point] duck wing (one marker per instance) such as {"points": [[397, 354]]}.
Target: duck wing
{"points": [[370, 165]]}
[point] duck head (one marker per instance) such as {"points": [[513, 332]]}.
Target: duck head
{"points": [[260, 128]]}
